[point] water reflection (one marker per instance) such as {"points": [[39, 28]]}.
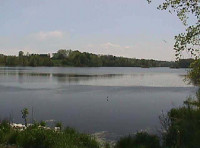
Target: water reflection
{"points": [[60, 77], [76, 78], [93, 76]]}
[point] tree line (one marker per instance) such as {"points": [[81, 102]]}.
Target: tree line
{"points": [[76, 58]]}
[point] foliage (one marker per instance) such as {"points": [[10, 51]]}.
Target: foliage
{"points": [[189, 40], [185, 9], [43, 123], [37, 137], [77, 59], [59, 124], [4, 128], [140, 140], [6, 146], [24, 115], [62, 54], [107, 145], [21, 53], [183, 63], [194, 73], [183, 129]]}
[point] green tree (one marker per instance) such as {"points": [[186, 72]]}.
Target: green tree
{"points": [[21, 58], [194, 73], [2, 60], [24, 115], [11, 61], [62, 54], [21, 53], [190, 39]]}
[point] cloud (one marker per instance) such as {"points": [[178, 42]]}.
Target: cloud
{"points": [[41, 36], [127, 47], [144, 49], [109, 45], [37, 42]]}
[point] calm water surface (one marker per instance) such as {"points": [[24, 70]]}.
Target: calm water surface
{"points": [[117, 101]]}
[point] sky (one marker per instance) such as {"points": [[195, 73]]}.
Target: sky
{"points": [[129, 28]]}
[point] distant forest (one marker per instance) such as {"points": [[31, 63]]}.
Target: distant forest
{"points": [[76, 58]]}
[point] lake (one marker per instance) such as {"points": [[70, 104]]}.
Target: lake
{"points": [[110, 101]]}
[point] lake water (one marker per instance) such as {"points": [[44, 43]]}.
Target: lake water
{"points": [[112, 101]]}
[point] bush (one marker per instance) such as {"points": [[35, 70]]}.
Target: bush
{"points": [[5, 130], [183, 129], [37, 137], [194, 73], [140, 140], [43, 123]]}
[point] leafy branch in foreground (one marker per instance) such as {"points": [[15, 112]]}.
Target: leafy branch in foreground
{"points": [[188, 41]]}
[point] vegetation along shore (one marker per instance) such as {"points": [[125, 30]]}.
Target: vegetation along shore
{"points": [[76, 58]]}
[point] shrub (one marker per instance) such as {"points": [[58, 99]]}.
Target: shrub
{"points": [[37, 137], [43, 123], [183, 129], [140, 140]]}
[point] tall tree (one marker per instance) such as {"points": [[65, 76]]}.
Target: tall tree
{"points": [[21, 53]]}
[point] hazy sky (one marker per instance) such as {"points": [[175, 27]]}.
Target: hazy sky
{"points": [[130, 28]]}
